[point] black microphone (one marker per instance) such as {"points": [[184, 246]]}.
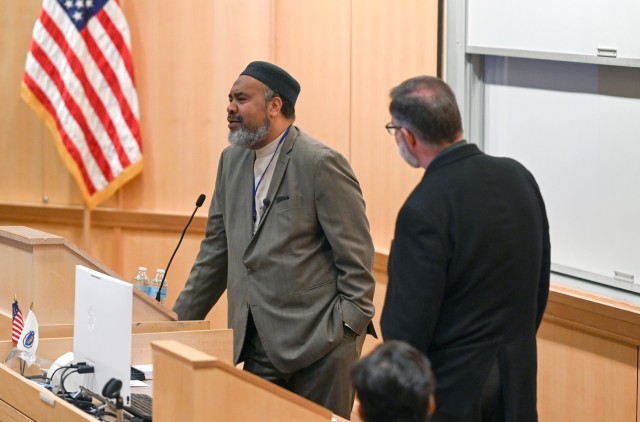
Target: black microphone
{"points": [[199, 203]]}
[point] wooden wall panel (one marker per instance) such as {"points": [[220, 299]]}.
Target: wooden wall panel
{"points": [[392, 41], [186, 59], [313, 42], [58, 187], [346, 54], [21, 133], [105, 242], [153, 250], [584, 376]]}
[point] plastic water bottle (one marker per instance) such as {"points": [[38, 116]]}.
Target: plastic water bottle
{"points": [[141, 280], [155, 285]]}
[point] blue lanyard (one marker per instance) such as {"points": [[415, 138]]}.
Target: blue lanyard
{"points": [[255, 187]]}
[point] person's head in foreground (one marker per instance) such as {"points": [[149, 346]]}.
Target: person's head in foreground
{"points": [[394, 384]]}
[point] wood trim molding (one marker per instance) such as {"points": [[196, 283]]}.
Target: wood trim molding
{"points": [[574, 308], [112, 218], [586, 311], [597, 314], [102, 217]]}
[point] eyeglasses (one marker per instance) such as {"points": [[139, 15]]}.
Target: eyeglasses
{"points": [[392, 129]]}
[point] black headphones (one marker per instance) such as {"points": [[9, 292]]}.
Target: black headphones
{"points": [[112, 389]]}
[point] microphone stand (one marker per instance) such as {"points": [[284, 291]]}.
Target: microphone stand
{"points": [[199, 203]]}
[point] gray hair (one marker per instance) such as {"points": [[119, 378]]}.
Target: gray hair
{"points": [[427, 106], [288, 109]]}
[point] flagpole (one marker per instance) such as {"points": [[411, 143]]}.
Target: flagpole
{"points": [[117, 232], [86, 228]]}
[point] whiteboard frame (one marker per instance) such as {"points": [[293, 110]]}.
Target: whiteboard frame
{"points": [[563, 57], [564, 30], [464, 72]]}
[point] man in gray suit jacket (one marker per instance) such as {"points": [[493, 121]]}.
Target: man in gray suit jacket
{"points": [[288, 237]]}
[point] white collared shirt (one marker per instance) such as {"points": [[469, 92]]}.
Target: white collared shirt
{"points": [[261, 171]]}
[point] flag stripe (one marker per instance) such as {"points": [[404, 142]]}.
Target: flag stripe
{"points": [[75, 110], [73, 88], [17, 324], [115, 25], [121, 84], [107, 73], [113, 119], [72, 134], [122, 63], [115, 88], [119, 76], [17, 328], [68, 143], [79, 79]]}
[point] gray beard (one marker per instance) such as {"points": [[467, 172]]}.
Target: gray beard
{"points": [[407, 155], [247, 138]]}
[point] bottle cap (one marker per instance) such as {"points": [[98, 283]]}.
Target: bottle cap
{"points": [[142, 268], [160, 270]]}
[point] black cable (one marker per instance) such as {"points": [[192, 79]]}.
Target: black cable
{"points": [[80, 368], [86, 406], [63, 378], [57, 369]]}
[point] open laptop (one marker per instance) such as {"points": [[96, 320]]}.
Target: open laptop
{"points": [[102, 329]]}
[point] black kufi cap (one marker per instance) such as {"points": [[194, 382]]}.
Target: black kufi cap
{"points": [[275, 78]]}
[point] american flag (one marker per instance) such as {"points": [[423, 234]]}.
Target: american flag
{"points": [[79, 79], [17, 324]]}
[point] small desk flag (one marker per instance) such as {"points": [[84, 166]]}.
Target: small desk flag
{"points": [[17, 322], [79, 79], [28, 342]]}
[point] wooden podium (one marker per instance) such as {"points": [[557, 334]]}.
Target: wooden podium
{"points": [[217, 388], [194, 376], [39, 268]]}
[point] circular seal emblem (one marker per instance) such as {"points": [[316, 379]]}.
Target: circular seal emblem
{"points": [[28, 339]]}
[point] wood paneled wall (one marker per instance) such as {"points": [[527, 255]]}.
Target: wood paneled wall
{"points": [[347, 55]]}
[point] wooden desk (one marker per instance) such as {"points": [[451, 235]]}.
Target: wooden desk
{"points": [[23, 400], [188, 384], [215, 387]]}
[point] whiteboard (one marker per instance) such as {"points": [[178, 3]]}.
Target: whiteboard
{"points": [[566, 27], [576, 127]]}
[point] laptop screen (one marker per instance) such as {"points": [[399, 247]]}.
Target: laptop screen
{"points": [[102, 329]]}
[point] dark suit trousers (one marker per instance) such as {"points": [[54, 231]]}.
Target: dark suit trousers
{"points": [[326, 382], [490, 408]]}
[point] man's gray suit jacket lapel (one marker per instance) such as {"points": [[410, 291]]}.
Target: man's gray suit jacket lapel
{"points": [[276, 180], [245, 211]]}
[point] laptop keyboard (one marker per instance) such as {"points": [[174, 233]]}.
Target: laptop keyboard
{"points": [[141, 405]]}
